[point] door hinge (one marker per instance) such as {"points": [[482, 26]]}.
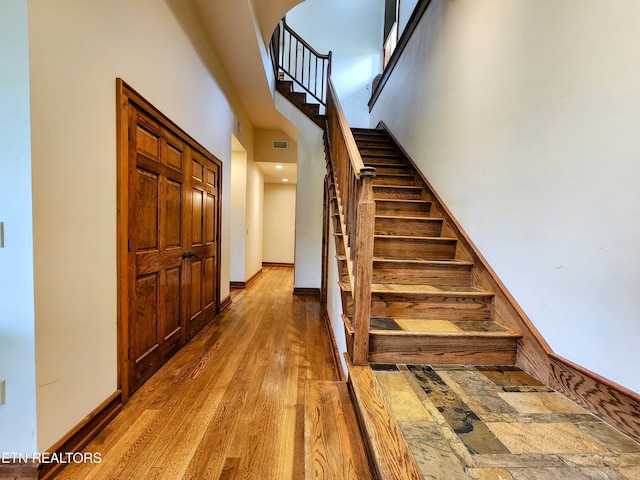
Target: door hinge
{"points": [[129, 133], [129, 245], [129, 353]]}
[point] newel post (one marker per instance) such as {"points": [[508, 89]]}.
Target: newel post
{"points": [[363, 274]]}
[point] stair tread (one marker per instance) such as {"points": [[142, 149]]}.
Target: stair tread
{"points": [[431, 334], [410, 217], [334, 447], [413, 187], [418, 261], [435, 289], [410, 237], [401, 175], [411, 289], [440, 327], [422, 261], [382, 164], [403, 200]]}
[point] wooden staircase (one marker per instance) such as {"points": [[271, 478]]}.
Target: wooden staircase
{"points": [[299, 99], [448, 376], [425, 305]]}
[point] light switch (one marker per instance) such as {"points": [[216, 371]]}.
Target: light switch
{"points": [[2, 392], [1, 234]]}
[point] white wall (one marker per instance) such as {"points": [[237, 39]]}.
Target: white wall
{"points": [[255, 195], [77, 50], [356, 30], [404, 15], [309, 196], [238, 221], [525, 117], [279, 223], [17, 342]]}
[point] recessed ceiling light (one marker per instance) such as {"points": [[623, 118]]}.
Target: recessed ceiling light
{"points": [[279, 167], [285, 179]]}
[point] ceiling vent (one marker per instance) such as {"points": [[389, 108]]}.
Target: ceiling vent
{"points": [[280, 144]]}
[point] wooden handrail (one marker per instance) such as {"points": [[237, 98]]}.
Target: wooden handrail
{"points": [[302, 40], [352, 149], [300, 62], [354, 191]]}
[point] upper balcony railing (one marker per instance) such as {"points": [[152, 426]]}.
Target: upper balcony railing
{"points": [[294, 59]]}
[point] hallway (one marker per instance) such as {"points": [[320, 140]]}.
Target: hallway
{"points": [[230, 404]]}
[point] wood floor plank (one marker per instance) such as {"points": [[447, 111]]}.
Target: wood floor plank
{"points": [[227, 405], [334, 447]]}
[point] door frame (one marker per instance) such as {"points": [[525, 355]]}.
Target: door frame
{"points": [[127, 98]]}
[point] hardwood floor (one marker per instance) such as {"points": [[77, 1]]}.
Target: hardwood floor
{"points": [[230, 404]]}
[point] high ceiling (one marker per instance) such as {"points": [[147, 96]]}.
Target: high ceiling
{"points": [[239, 31]]}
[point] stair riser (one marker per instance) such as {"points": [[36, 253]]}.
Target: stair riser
{"points": [[442, 350], [378, 152], [422, 306], [373, 160], [389, 169], [409, 227], [372, 143], [382, 180], [414, 248], [366, 134], [400, 208], [416, 275], [382, 193]]}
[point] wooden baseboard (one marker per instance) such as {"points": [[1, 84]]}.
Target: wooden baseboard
{"points": [[306, 291], [334, 345], [82, 434], [224, 304], [247, 283], [18, 470], [614, 403], [275, 264]]}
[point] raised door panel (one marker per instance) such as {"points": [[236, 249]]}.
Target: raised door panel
{"points": [[195, 290], [146, 211], [173, 215], [172, 319], [146, 340], [197, 207], [209, 291]]}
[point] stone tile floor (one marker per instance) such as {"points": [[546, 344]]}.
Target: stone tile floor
{"points": [[499, 423]]}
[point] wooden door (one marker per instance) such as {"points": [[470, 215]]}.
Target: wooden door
{"points": [[157, 240], [168, 231], [202, 242]]}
